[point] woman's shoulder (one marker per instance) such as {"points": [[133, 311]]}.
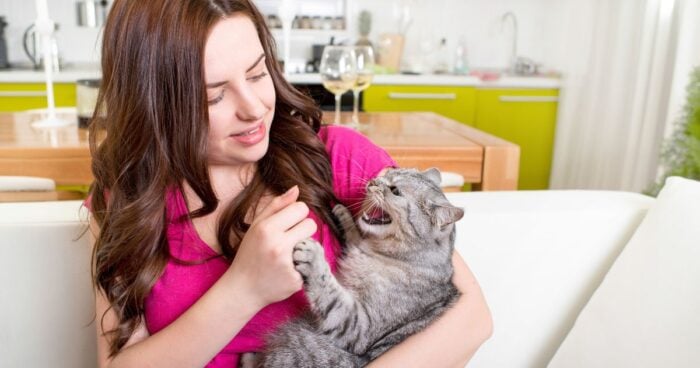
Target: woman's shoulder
{"points": [[340, 136], [345, 145], [354, 159]]}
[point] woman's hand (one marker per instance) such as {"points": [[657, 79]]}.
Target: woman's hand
{"points": [[263, 263]]}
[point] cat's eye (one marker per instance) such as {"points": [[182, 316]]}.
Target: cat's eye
{"points": [[395, 191]]}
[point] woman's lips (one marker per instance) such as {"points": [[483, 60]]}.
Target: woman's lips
{"points": [[251, 137]]}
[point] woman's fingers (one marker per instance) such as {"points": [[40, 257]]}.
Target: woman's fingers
{"points": [[286, 218], [305, 229], [278, 203]]}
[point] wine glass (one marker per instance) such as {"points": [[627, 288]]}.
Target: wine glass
{"points": [[338, 72], [365, 70]]}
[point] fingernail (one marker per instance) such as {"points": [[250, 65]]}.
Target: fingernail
{"points": [[289, 191]]}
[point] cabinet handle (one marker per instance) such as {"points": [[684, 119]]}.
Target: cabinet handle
{"points": [[22, 93], [422, 96], [528, 98]]}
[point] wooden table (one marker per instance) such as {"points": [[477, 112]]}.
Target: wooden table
{"points": [[419, 140], [62, 154], [426, 139]]}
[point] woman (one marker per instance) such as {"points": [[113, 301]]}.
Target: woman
{"points": [[212, 168]]}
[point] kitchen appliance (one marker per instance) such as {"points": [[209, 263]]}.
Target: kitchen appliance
{"points": [[390, 49], [86, 99], [313, 65], [33, 46], [91, 13], [4, 64]]}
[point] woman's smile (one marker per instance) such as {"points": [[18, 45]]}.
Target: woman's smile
{"points": [[251, 137]]}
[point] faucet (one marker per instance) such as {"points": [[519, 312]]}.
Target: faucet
{"points": [[514, 49]]}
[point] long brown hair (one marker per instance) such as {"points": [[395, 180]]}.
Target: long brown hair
{"points": [[153, 91]]}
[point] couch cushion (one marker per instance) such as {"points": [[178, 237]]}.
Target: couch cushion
{"points": [[646, 313], [538, 257]]}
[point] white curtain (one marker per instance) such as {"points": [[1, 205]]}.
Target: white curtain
{"points": [[624, 73]]}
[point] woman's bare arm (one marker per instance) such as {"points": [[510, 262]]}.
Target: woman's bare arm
{"points": [[261, 273], [191, 340]]}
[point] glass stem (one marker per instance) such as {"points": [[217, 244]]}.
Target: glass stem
{"points": [[337, 109], [355, 106]]}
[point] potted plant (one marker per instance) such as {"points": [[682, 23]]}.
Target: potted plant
{"points": [[680, 154]]}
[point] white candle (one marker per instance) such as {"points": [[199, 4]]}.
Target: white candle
{"points": [[42, 9]]}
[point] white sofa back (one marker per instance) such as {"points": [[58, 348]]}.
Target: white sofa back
{"points": [[537, 255], [46, 302]]}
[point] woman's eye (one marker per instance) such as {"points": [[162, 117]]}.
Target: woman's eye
{"points": [[258, 77], [395, 191], [217, 98]]}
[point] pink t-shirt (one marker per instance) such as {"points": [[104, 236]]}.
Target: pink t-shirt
{"points": [[354, 160]]}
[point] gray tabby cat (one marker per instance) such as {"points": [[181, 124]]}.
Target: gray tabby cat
{"points": [[393, 280]]}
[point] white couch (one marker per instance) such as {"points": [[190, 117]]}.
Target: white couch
{"points": [[539, 257]]}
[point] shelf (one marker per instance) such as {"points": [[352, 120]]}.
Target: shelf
{"points": [[312, 33]]}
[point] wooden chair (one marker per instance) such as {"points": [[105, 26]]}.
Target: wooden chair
{"points": [[451, 182]]}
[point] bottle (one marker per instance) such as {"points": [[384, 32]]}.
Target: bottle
{"points": [[4, 63], [461, 66], [442, 59], [364, 25]]}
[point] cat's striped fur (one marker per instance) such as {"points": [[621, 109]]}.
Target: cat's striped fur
{"points": [[393, 280]]}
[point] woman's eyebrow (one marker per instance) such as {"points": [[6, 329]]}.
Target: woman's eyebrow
{"points": [[256, 62], [218, 84]]}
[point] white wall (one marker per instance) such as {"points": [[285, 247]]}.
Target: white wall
{"points": [[76, 44], [478, 21], [475, 20]]}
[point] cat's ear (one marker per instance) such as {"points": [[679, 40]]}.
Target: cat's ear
{"points": [[444, 215], [433, 174]]}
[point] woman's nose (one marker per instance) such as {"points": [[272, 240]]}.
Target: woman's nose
{"points": [[250, 107]]}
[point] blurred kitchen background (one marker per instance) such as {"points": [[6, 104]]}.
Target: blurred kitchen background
{"points": [[588, 89], [474, 23]]}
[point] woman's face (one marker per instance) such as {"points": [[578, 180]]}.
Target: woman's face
{"points": [[240, 92]]}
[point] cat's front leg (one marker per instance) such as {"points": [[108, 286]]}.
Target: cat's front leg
{"points": [[352, 235], [310, 262], [341, 314]]}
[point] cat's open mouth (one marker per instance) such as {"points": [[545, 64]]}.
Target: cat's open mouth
{"points": [[376, 217]]}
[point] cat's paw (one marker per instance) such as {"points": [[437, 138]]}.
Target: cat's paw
{"points": [[347, 223], [309, 258], [342, 213]]}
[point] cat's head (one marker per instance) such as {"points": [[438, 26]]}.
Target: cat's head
{"points": [[408, 205]]}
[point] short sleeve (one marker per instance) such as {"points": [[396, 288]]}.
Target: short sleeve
{"points": [[354, 160]]}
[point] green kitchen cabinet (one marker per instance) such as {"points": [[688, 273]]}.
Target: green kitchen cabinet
{"points": [[23, 96], [526, 117], [455, 102]]}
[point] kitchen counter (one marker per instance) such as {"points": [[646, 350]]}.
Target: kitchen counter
{"points": [[445, 80], [71, 73]]}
